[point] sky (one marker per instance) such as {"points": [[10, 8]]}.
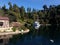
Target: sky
{"points": [[36, 4]]}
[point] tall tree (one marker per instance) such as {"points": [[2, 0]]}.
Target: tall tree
{"points": [[22, 11], [14, 11], [29, 13], [4, 7], [45, 7], [35, 15], [10, 6]]}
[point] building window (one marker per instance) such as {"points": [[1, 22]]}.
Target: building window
{"points": [[1, 23]]}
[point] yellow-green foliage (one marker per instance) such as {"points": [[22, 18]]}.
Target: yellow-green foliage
{"points": [[22, 28], [14, 29]]}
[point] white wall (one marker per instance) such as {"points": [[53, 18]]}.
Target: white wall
{"points": [[5, 24]]}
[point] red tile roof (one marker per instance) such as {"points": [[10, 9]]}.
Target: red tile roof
{"points": [[4, 18]]}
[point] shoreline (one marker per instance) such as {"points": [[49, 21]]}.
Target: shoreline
{"points": [[13, 33]]}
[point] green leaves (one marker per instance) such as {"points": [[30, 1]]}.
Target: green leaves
{"points": [[20, 14], [14, 29]]}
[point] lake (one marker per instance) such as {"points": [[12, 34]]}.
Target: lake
{"points": [[42, 36]]}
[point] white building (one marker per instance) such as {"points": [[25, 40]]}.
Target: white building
{"points": [[4, 24]]}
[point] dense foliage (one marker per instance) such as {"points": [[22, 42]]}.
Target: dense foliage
{"points": [[49, 15]]}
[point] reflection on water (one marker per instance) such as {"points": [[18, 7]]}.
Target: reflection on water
{"points": [[41, 36]]}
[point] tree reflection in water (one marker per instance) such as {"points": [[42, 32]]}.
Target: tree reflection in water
{"points": [[38, 37]]}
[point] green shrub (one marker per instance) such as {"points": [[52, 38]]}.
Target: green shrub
{"points": [[22, 28], [14, 29]]}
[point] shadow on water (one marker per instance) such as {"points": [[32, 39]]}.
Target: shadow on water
{"points": [[41, 36]]}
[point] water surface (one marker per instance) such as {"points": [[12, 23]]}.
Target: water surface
{"points": [[41, 36]]}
